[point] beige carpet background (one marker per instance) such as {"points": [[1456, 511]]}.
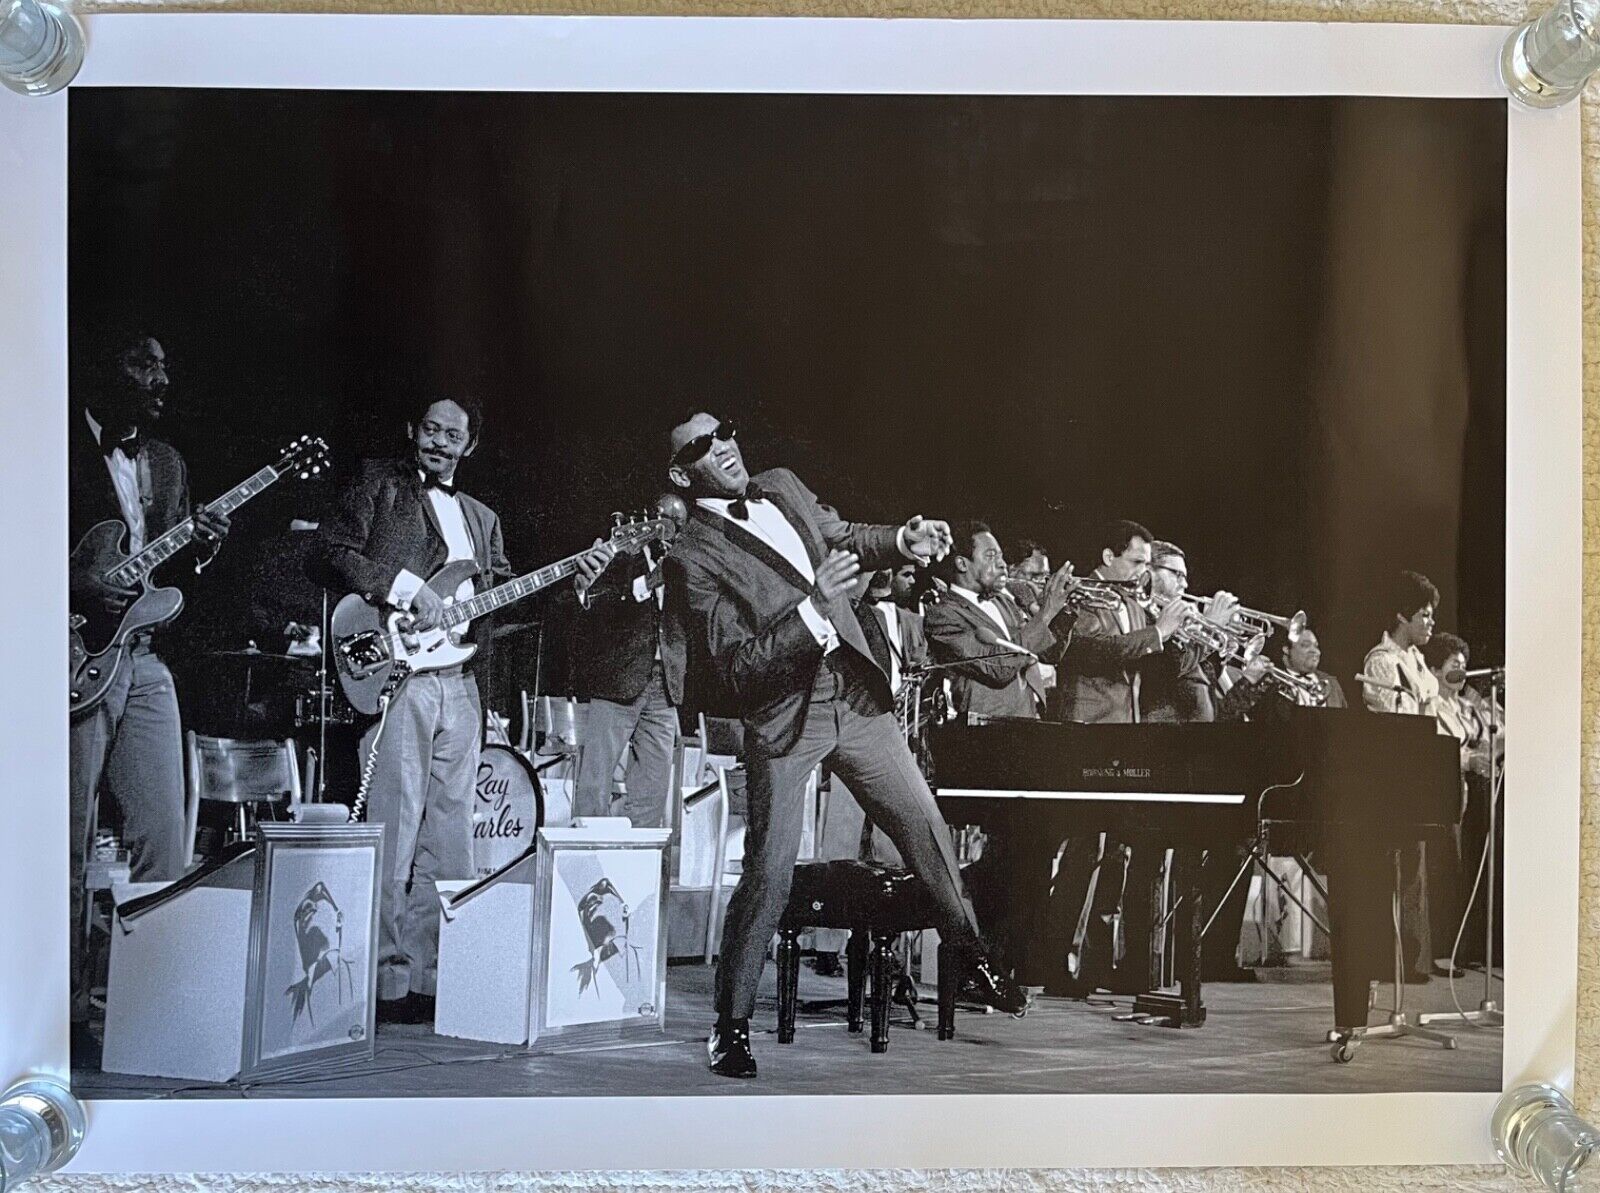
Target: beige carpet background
{"points": [[1366, 1180]]}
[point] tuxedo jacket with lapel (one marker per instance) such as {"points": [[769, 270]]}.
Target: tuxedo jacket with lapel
{"points": [[385, 523], [986, 688], [613, 650], [92, 498], [734, 642]]}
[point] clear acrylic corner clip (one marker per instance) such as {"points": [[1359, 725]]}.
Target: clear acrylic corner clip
{"points": [[41, 1128], [1546, 62], [41, 46], [1538, 1134]]}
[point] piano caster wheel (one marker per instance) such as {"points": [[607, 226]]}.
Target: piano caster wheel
{"points": [[1450, 1045], [1020, 1015], [1344, 1052]]}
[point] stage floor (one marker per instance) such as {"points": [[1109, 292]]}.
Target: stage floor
{"points": [[1265, 1037]]}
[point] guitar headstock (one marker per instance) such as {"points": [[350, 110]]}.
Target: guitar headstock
{"points": [[629, 532], [303, 458]]}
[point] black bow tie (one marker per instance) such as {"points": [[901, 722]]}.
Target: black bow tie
{"points": [[129, 440], [430, 481], [739, 507]]}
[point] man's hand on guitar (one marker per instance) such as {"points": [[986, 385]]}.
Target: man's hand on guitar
{"points": [[210, 526], [427, 611], [90, 589], [591, 563]]}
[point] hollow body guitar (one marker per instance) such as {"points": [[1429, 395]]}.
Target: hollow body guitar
{"points": [[99, 638], [374, 654]]}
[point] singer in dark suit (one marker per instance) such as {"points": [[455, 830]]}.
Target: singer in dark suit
{"points": [[759, 627], [398, 523]]}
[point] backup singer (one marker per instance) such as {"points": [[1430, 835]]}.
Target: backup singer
{"points": [[398, 523], [132, 740], [1400, 682], [759, 624]]}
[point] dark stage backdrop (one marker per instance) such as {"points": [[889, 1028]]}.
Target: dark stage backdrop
{"points": [[1040, 311]]}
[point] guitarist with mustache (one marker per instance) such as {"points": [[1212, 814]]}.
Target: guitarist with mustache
{"points": [[395, 525], [132, 741]]}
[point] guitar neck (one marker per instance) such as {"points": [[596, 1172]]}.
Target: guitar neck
{"points": [[134, 569], [511, 590]]}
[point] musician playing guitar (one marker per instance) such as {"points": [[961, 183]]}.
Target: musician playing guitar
{"points": [[131, 741], [398, 523]]}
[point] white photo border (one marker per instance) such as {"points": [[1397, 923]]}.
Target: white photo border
{"points": [[640, 54]]}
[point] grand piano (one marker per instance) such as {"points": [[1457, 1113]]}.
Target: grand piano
{"points": [[1356, 786]]}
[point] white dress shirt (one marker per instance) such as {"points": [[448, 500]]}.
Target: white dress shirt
{"points": [[125, 479], [1045, 672], [457, 541], [768, 524], [889, 613]]}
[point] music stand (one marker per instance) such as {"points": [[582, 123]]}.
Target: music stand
{"points": [[1488, 1013]]}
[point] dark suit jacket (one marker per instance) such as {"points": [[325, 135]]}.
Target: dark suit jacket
{"points": [[92, 498], [986, 688], [734, 642], [614, 636], [384, 523], [1102, 665]]}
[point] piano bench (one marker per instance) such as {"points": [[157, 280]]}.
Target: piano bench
{"points": [[875, 904]]}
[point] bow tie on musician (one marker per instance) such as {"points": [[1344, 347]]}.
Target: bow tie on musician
{"points": [[131, 739], [763, 599]]}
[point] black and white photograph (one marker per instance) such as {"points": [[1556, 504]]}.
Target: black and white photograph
{"points": [[1043, 557], [969, 577], [1093, 607]]}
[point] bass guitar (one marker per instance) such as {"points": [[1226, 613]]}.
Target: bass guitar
{"points": [[374, 653], [100, 637]]}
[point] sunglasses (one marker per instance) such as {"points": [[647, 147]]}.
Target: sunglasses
{"points": [[701, 444]]}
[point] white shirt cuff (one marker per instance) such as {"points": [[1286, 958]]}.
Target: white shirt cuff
{"points": [[641, 588], [404, 589], [900, 542], [821, 628]]}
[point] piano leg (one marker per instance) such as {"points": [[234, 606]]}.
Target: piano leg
{"points": [[1186, 1008]]}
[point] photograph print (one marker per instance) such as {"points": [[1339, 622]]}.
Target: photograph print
{"points": [[1042, 557]]}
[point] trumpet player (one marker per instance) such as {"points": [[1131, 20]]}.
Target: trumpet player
{"points": [[997, 674], [1301, 657], [1110, 648], [1190, 683]]}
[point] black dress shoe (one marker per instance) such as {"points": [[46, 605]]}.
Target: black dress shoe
{"points": [[394, 1010], [989, 985], [729, 1049], [413, 1009]]}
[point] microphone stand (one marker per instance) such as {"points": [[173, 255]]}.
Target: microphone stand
{"points": [[1488, 1013]]}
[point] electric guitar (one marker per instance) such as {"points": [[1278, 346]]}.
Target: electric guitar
{"points": [[374, 653], [100, 637]]}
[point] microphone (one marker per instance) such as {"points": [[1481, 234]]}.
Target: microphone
{"points": [[1480, 672], [990, 638]]}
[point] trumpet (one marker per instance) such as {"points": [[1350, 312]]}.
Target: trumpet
{"points": [[1093, 593], [1265, 623], [1297, 689], [1196, 629]]}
